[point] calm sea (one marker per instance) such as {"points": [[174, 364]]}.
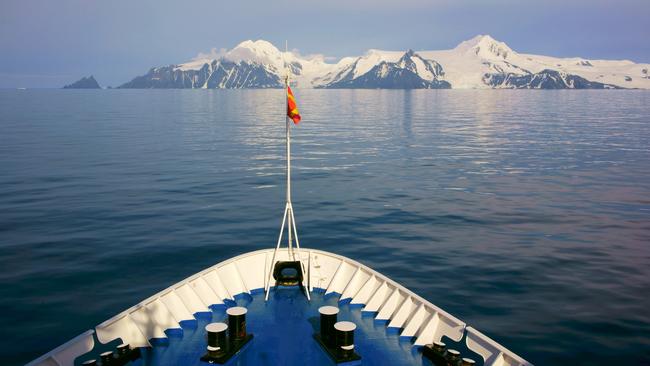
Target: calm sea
{"points": [[524, 213]]}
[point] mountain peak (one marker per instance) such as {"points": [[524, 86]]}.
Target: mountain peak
{"points": [[260, 51], [260, 45], [485, 46], [476, 40]]}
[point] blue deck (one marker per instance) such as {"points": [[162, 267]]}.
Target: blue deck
{"points": [[283, 329]]}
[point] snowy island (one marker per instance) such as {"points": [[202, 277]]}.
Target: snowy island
{"points": [[479, 63]]}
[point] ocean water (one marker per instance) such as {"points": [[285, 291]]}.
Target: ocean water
{"points": [[524, 213]]}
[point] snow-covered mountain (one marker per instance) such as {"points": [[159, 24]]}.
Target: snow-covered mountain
{"points": [[410, 71], [481, 62]]}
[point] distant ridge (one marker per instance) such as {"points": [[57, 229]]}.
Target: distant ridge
{"points": [[84, 83], [479, 63]]}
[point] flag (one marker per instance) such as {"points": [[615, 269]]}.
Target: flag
{"points": [[292, 108]]}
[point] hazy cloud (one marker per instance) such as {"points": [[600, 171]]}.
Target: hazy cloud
{"points": [[214, 53]]}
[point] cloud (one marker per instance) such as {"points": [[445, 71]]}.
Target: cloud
{"points": [[213, 54], [313, 56]]}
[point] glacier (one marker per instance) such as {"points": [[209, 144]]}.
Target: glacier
{"points": [[479, 63]]}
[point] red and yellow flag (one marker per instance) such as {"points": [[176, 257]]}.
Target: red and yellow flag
{"points": [[292, 107]]}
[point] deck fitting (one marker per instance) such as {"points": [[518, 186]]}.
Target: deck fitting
{"points": [[120, 357], [233, 348], [337, 338], [334, 354]]}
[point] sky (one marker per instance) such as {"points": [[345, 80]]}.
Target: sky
{"points": [[49, 43]]}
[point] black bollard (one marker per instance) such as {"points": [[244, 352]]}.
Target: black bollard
{"points": [[467, 362], [439, 347], [328, 315], [123, 350], [436, 353], [107, 358], [236, 323], [216, 339], [453, 357], [222, 348], [345, 338]]}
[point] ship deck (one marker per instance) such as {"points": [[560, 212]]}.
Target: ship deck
{"points": [[393, 323], [283, 329]]}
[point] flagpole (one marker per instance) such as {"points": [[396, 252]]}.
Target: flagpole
{"points": [[291, 220], [286, 92], [288, 216]]}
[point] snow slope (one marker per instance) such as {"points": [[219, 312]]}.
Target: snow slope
{"points": [[466, 65]]}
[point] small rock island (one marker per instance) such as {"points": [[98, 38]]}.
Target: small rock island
{"points": [[84, 83]]}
